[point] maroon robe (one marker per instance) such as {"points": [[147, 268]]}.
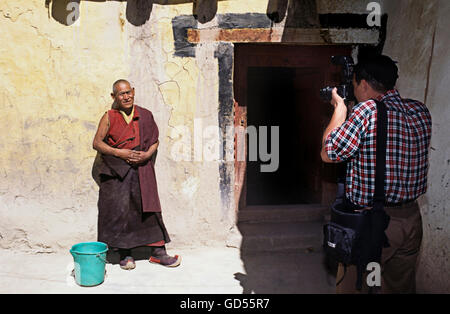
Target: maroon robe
{"points": [[149, 133], [141, 132], [129, 207]]}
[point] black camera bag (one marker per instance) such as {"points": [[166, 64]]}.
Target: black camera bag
{"points": [[354, 236]]}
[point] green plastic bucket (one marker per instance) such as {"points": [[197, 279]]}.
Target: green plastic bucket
{"points": [[89, 261]]}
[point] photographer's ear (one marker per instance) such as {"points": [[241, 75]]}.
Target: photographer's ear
{"points": [[365, 87]]}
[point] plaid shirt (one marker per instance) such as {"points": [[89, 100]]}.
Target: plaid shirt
{"points": [[409, 135]]}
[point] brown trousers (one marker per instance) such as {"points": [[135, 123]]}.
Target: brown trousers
{"points": [[398, 262]]}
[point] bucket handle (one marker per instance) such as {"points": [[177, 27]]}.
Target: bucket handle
{"points": [[102, 259]]}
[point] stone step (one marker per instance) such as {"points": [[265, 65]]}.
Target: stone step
{"points": [[281, 236], [283, 213]]}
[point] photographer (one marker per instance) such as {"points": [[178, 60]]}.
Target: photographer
{"points": [[408, 139]]}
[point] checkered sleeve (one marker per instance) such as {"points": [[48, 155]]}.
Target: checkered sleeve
{"points": [[343, 142]]}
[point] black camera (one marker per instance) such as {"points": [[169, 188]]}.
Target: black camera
{"points": [[346, 89]]}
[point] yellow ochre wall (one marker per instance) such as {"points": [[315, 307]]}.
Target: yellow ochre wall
{"points": [[56, 81]]}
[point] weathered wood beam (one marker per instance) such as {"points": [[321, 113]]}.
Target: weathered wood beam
{"points": [[285, 35]]}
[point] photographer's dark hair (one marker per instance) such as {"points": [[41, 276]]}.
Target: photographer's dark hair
{"points": [[379, 71]]}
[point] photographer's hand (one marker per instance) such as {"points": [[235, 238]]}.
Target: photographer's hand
{"points": [[339, 116], [337, 101], [340, 110]]}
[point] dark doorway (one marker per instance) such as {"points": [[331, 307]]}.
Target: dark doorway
{"points": [[278, 85], [272, 95]]}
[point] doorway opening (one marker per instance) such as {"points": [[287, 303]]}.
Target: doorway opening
{"points": [[279, 86]]}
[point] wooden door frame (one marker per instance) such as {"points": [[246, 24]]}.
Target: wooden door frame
{"points": [[279, 55]]}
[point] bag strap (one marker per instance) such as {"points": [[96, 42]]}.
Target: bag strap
{"points": [[379, 220], [380, 163], [380, 167]]}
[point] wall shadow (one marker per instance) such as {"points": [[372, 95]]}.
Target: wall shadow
{"points": [[276, 10], [285, 274], [298, 13], [138, 12], [204, 10], [287, 271], [63, 11]]}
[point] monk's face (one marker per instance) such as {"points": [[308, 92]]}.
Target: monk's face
{"points": [[124, 96]]}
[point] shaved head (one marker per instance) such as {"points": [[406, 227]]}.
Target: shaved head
{"points": [[123, 95], [114, 87]]}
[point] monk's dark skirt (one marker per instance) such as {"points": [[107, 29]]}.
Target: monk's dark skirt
{"points": [[121, 222]]}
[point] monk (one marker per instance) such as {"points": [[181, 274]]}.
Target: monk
{"points": [[129, 210]]}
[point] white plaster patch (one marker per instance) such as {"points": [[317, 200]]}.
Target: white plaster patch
{"points": [[190, 187]]}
